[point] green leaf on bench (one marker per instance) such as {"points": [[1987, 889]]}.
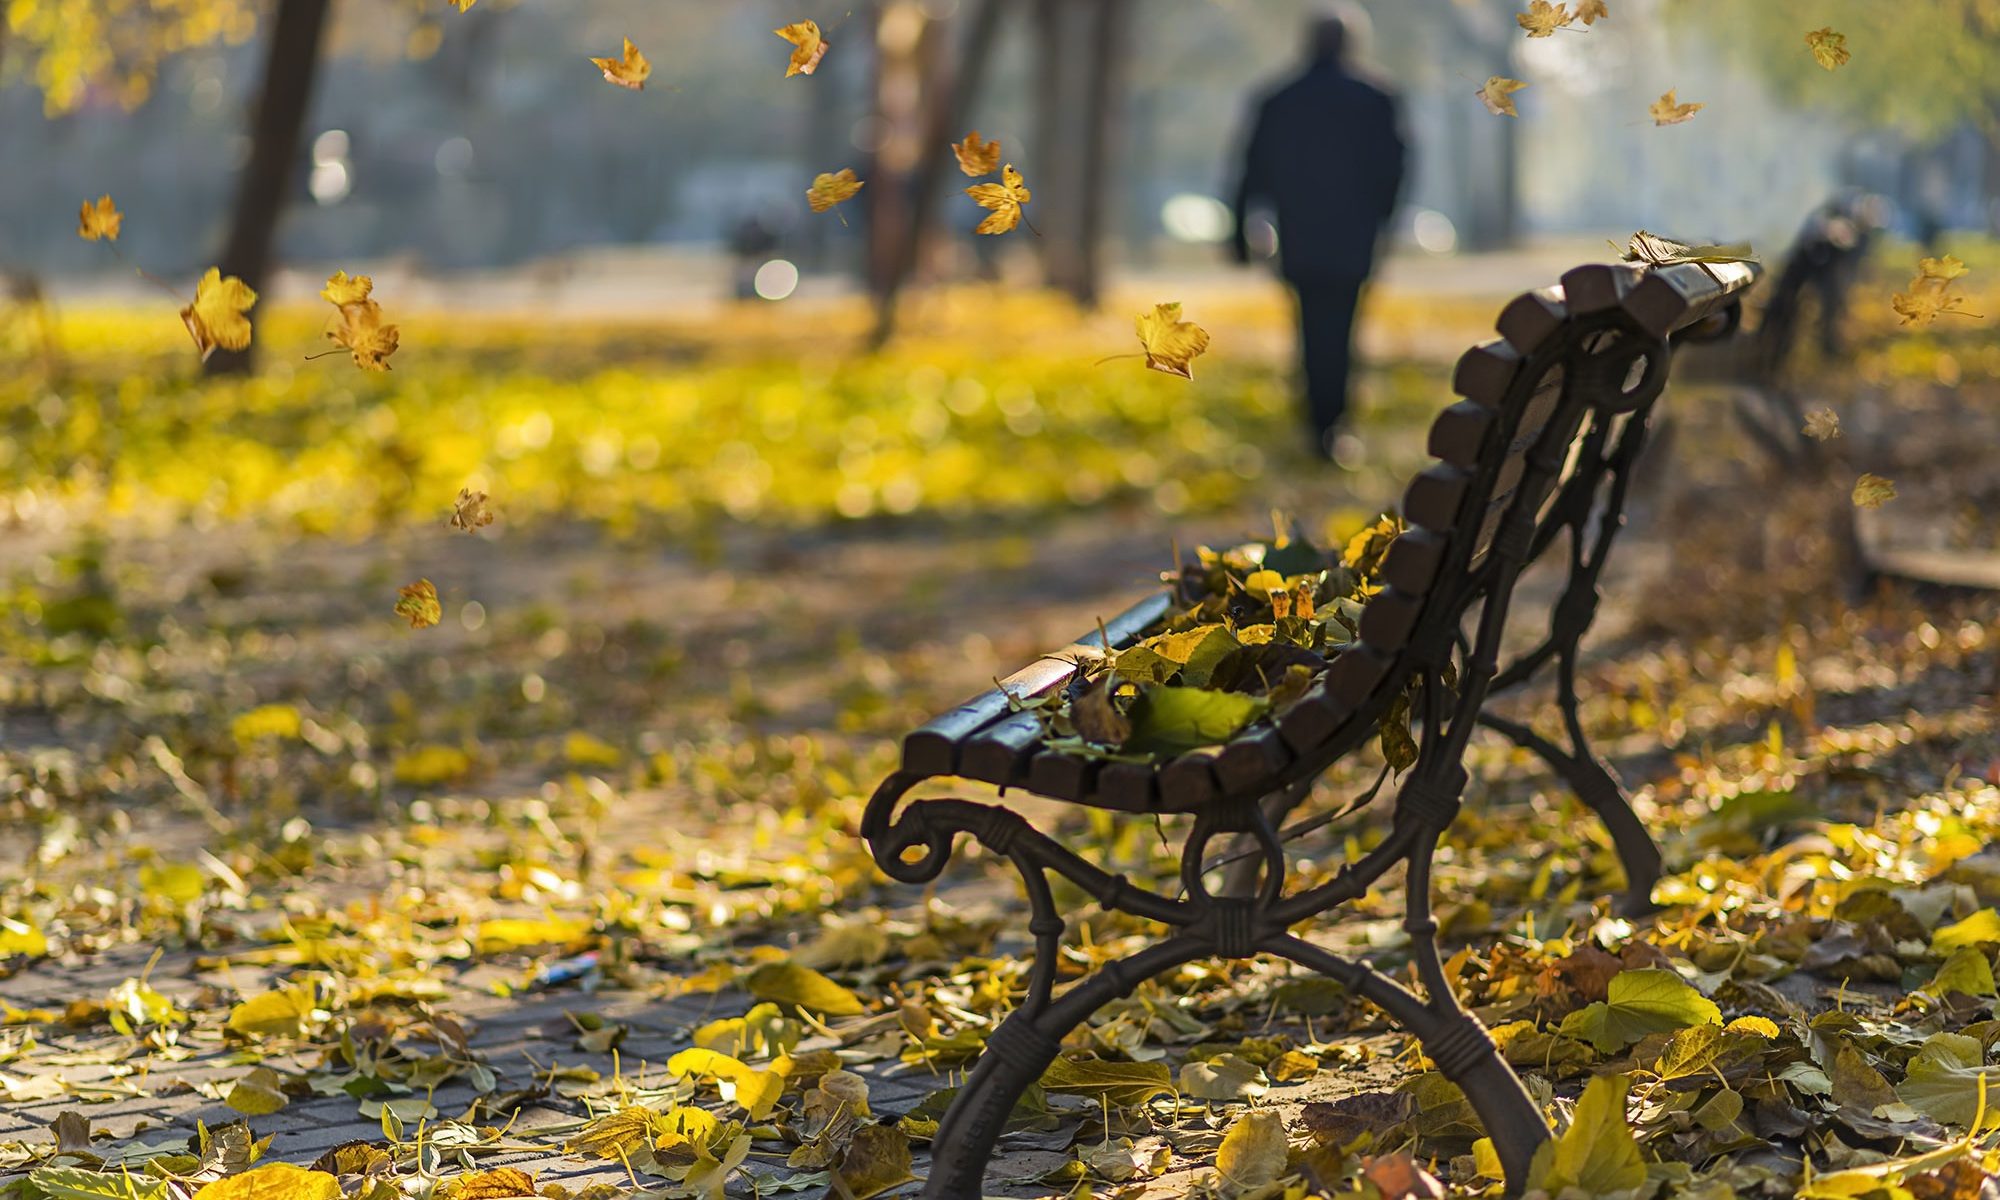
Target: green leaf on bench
{"points": [[1191, 653], [1173, 720], [1120, 1084]]}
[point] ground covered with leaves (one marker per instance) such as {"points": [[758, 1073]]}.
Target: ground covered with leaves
{"points": [[563, 894]]}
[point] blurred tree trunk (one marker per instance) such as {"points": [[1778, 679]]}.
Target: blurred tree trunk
{"points": [[277, 122], [1079, 60], [1103, 114], [906, 51], [948, 108], [1492, 186]]}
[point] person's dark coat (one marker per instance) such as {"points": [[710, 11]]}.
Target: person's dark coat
{"points": [[1326, 154]]}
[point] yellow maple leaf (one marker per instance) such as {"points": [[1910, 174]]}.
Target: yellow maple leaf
{"points": [[1873, 491], [1822, 424], [630, 70], [1590, 12], [1004, 198], [1946, 269], [363, 335], [828, 190], [272, 1181], [418, 604], [975, 156], [808, 47], [469, 511], [1171, 343], [461, 5], [1543, 18], [1665, 111], [341, 289], [1829, 48], [1930, 294], [1923, 305], [215, 319], [1498, 95], [99, 219]]}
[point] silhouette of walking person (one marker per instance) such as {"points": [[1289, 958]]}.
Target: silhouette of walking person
{"points": [[1325, 158]]}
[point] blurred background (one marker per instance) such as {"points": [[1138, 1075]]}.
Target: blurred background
{"points": [[443, 145]]}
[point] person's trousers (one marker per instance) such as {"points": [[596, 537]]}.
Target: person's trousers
{"points": [[1326, 349]]}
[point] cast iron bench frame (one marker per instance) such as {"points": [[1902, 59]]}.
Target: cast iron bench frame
{"points": [[1543, 444]]}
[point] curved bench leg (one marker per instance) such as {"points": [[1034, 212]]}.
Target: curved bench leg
{"points": [[1595, 785], [1017, 1054]]}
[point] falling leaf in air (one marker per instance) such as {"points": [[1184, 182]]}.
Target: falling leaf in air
{"points": [[344, 289], [99, 218], [1543, 18], [1822, 424], [808, 47], [1943, 269], [361, 332], [630, 70], [1829, 48], [469, 511], [828, 190], [1004, 198], [1498, 95], [977, 157], [1590, 12], [1930, 293], [363, 335], [418, 604], [461, 5], [1171, 343], [215, 319], [1873, 491], [1665, 111]]}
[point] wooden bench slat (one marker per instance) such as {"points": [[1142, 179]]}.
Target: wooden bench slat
{"points": [[1132, 786], [934, 748], [1434, 497], [1251, 758], [1532, 318], [1595, 287], [1189, 781], [1411, 565], [1388, 619], [1061, 776], [999, 752], [1485, 372], [1313, 719], [1459, 433]]}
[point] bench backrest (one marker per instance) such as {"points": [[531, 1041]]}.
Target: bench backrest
{"points": [[1571, 359]]}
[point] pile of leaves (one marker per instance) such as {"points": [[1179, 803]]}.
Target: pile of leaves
{"points": [[1257, 624]]}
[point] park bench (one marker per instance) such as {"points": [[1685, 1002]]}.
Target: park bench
{"points": [[1539, 450]]}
